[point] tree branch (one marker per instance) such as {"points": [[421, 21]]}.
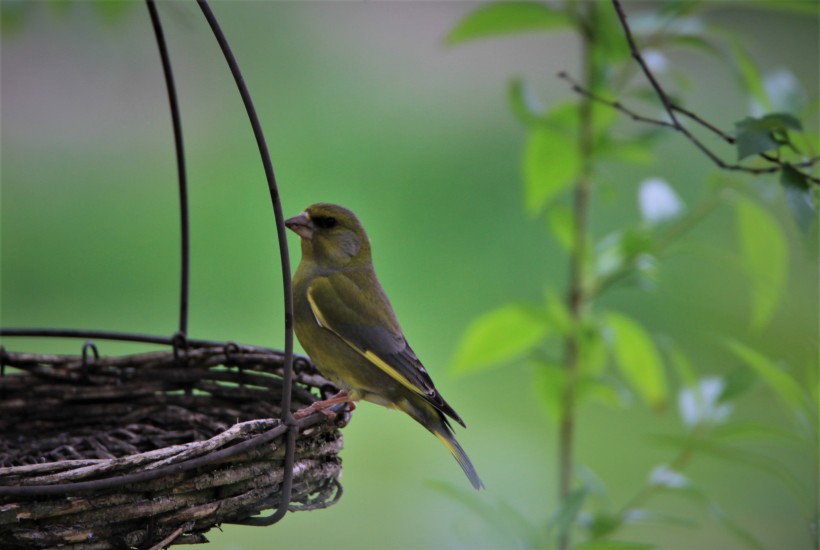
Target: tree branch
{"points": [[674, 111]]}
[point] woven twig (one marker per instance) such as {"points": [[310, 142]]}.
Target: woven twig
{"points": [[184, 427]]}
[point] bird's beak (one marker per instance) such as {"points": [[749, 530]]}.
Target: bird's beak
{"points": [[301, 225]]}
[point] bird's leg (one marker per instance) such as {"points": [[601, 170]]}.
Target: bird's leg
{"points": [[322, 406]]}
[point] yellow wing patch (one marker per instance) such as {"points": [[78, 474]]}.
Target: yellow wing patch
{"points": [[382, 364], [367, 354], [317, 313]]}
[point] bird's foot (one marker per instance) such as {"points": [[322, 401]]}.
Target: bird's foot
{"points": [[323, 406]]}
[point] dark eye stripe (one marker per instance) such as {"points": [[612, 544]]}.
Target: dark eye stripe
{"points": [[324, 222]]}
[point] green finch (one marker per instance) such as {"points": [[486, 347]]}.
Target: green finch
{"points": [[346, 324]]}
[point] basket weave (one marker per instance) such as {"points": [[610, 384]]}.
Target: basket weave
{"points": [[64, 420]]}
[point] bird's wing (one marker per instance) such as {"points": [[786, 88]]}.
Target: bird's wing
{"points": [[365, 321]]}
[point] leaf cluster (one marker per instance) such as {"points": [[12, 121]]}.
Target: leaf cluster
{"points": [[621, 360]]}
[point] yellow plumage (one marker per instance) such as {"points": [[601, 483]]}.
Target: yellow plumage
{"points": [[346, 324]]}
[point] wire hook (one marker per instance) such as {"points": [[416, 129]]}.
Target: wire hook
{"points": [[84, 367]]}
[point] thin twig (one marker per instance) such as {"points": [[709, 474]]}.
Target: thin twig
{"points": [[673, 110], [617, 105], [636, 54], [728, 138]]}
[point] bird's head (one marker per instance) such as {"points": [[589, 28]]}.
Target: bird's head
{"points": [[331, 235]]}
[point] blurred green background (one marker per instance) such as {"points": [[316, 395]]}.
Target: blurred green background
{"points": [[363, 104]]}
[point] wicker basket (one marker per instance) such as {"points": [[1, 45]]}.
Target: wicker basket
{"points": [[154, 449]]}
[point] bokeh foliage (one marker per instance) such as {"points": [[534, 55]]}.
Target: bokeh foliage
{"points": [[437, 146], [583, 352]]}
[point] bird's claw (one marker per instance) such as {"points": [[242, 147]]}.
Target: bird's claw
{"points": [[307, 411], [324, 406]]}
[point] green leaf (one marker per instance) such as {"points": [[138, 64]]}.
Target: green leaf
{"points": [[504, 18], [781, 121], [763, 252], [609, 254], [551, 164], [675, 441], [561, 222], [548, 380], [636, 241], [740, 532], [604, 117], [700, 43], [603, 524], [602, 392], [592, 349], [620, 250], [633, 152], [524, 104], [757, 462], [749, 76], [751, 431], [792, 177], [785, 386], [751, 141], [557, 312], [611, 45], [799, 197], [758, 135], [638, 359], [566, 515], [500, 336], [735, 384], [682, 365]]}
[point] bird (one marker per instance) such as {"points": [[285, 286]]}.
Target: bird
{"points": [[347, 326]]}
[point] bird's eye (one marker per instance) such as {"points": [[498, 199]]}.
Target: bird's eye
{"points": [[324, 222]]}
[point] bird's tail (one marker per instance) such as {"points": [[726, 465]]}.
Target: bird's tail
{"points": [[434, 420], [444, 435]]}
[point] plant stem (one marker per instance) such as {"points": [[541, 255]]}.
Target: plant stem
{"points": [[576, 294]]}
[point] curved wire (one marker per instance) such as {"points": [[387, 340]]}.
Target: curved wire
{"points": [[181, 173], [281, 232]]}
